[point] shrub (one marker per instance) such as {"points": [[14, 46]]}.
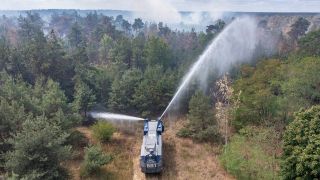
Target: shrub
{"points": [[94, 158], [301, 151], [201, 122], [103, 131], [77, 139], [209, 134], [246, 156], [184, 132]]}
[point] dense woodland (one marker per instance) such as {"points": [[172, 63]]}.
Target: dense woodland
{"points": [[52, 76]]}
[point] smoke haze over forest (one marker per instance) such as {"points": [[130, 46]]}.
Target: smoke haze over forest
{"points": [[180, 5]]}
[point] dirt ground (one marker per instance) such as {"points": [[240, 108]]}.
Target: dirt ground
{"points": [[183, 159]]}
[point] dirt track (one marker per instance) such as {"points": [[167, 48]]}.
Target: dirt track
{"points": [[183, 159]]}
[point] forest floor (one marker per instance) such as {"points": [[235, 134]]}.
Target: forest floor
{"points": [[183, 158]]}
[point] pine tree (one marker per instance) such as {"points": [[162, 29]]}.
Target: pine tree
{"points": [[12, 115], [138, 24], [201, 118], [53, 98], [157, 52], [121, 96], [38, 151], [106, 43], [200, 113], [84, 97]]}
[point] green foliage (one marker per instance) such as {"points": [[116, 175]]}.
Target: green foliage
{"points": [[246, 157], [5, 52], [274, 89], [30, 26], [217, 27], [101, 82], [122, 52], [138, 45], [38, 150], [301, 151], [138, 24], [303, 82], [33, 46], [16, 89], [80, 62], [103, 131], [154, 91], [76, 38], [51, 96], [20, 101], [94, 158], [200, 114], [11, 116], [299, 28], [106, 44], [58, 67], [121, 96], [184, 133], [77, 139], [157, 52], [101, 62], [201, 122], [261, 93], [309, 44], [84, 98]]}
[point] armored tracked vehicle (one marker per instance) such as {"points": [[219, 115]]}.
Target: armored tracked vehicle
{"points": [[151, 160]]}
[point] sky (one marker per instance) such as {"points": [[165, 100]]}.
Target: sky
{"points": [[168, 5]]}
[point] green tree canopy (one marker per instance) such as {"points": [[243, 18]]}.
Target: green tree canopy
{"points": [[157, 52], [155, 91], [94, 158], [138, 24], [38, 151], [201, 121], [106, 43], [301, 150], [200, 113], [309, 44], [260, 89], [12, 115], [303, 85], [121, 96], [84, 97]]}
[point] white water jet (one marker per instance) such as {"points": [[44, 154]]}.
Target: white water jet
{"points": [[112, 116], [235, 44]]}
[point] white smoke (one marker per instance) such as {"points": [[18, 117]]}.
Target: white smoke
{"points": [[166, 11], [156, 11], [237, 43]]}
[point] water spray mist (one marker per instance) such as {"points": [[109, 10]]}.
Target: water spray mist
{"points": [[235, 44]]}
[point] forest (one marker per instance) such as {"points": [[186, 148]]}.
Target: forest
{"points": [[264, 116]]}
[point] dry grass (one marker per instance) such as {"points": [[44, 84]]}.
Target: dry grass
{"points": [[183, 158], [120, 147]]}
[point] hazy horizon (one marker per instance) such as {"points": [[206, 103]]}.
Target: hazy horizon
{"points": [[182, 11], [168, 5]]}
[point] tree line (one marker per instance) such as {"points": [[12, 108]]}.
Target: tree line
{"points": [[52, 77]]}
